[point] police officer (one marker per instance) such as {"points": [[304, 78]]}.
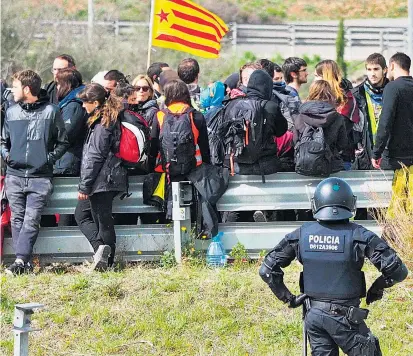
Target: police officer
{"points": [[332, 252]]}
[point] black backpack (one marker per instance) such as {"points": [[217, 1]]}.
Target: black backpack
{"points": [[238, 131], [312, 155], [177, 143]]}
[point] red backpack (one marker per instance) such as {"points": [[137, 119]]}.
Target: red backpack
{"points": [[134, 139], [5, 216]]}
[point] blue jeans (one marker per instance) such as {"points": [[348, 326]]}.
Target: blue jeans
{"points": [[27, 199]]}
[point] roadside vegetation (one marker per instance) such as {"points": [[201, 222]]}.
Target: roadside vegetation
{"points": [[242, 11], [178, 310]]}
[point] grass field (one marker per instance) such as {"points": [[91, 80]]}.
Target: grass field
{"points": [[188, 310]]}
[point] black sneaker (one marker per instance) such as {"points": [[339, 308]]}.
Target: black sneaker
{"points": [[100, 259], [260, 216], [16, 268]]}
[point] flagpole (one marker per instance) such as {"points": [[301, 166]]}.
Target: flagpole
{"points": [[148, 63]]}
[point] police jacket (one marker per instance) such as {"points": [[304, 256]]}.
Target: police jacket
{"points": [[332, 255], [323, 114], [101, 170], [147, 110], [74, 117], [33, 139]]}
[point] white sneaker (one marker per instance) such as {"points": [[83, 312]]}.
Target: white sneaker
{"points": [[100, 259]]}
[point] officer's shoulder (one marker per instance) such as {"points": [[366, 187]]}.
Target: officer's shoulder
{"points": [[361, 233], [296, 234]]}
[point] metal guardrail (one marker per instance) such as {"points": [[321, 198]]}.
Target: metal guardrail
{"points": [[64, 197], [293, 191], [243, 34], [245, 193]]}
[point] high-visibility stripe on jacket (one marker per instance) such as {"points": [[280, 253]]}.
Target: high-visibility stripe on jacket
{"points": [[178, 108]]}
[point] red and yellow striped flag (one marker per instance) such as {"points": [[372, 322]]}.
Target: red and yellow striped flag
{"points": [[185, 26]]}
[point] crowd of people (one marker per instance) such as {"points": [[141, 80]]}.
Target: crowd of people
{"points": [[252, 123]]}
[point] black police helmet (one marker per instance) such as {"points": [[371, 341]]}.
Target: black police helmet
{"points": [[333, 200]]}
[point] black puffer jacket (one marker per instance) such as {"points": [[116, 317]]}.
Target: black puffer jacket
{"points": [[101, 170], [260, 88], [322, 114], [33, 138], [74, 117], [148, 110]]}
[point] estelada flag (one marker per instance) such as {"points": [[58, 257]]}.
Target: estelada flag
{"points": [[185, 26]]}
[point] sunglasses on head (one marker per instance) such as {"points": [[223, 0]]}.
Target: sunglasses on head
{"points": [[144, 89]]}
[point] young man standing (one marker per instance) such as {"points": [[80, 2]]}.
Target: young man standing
{"points": [[188, 72], [295, 74], [369, 98], [395, 132], [153, 72], [61, 62], [33, 139]]}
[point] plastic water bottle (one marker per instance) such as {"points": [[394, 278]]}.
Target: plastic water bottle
{"points": [[215, 256]]}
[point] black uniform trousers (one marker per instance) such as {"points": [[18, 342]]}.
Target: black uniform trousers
{"points": [[327, 332]]}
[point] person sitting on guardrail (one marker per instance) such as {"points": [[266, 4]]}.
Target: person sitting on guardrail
{"points": [[329, 71], [319, 113], [369, 98], [102, 176], [33, 139], [395, 133]]}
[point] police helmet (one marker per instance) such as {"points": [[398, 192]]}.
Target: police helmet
{"points": [[333, 200]]}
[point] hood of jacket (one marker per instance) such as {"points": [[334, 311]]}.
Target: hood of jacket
{"points": [[318, 113], [260, 85], [143, 106], [278, 86], [232, 81], [71, 96], [212, 96], [42, 100]]}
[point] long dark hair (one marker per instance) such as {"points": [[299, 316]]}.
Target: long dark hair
{"points": [[108, 108], [67, 79]]}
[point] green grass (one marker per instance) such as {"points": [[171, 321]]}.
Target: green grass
{"points": [[187, 310]]}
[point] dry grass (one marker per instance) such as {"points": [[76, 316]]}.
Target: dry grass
{"points": [[188, 310], [397, 226]]}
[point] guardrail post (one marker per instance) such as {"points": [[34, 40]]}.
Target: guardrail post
{"points": [[381, 39], [21, 327], [292, 31], [350, 43], [234, 37], [181, 215], [116, 26]]}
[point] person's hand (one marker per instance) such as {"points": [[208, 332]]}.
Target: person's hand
{"points": [[296, 301], [376, 163], [82, 196], [374, 294]]}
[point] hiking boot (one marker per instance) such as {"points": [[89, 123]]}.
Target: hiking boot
{"points": [[260, 216], [100, 258], [18, 267]]}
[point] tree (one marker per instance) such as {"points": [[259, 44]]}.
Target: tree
{"points": [[340, 46]]}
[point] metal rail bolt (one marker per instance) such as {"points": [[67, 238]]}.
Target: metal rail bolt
{"points": [[21, 327]]}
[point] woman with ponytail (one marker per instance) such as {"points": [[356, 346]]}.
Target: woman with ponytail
{"points": [[102, 176], [346, 104]]}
